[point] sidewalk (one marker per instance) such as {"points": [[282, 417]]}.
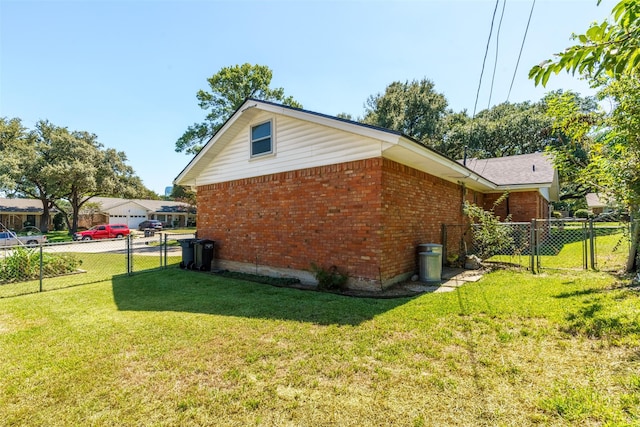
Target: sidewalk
{"points": [[452, 278]]}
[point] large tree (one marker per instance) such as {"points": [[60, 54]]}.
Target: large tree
{"points": [[413, 108], [503, 130], [25, 155], [228, 89], [53, 164], [86, 170], [608, 54], [572, 120]]}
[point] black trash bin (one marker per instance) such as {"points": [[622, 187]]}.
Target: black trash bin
{"points": [[203, 254], [188, 253]]}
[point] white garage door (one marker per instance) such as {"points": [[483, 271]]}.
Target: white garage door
{"points": [[132, 220]]}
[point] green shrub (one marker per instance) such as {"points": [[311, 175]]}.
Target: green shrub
{"points": [[582, 213], [489, 234], [24, 264], [329, 279], [557, 214]]}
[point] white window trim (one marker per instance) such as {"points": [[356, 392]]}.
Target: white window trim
{"points": [[271, 153]]}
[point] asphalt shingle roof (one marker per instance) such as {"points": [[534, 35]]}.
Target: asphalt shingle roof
{"points": [[20, 205], [534, 168]]}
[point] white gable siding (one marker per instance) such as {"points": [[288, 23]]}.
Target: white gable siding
{"points": [[298, 144]]}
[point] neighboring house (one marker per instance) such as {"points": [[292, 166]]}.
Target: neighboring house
{"points": [[598, 204], [280, 188], [111, 210], [18, 213]]}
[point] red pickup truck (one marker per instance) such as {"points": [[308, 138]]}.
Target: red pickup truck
{"points": [[105, 231]]}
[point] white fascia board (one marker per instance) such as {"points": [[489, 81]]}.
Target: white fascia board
{"points": [[466, 174]]}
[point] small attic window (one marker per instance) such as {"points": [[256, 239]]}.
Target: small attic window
{"points": [[262, 139]]}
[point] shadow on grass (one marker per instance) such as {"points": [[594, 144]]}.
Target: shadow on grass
{"points": [[604, 313], [580, 292], [194, 292]]}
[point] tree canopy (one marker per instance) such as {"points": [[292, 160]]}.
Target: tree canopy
{"points": [[228, 89], [608, 54], [413, 108], [54, 164], [503, 130]]}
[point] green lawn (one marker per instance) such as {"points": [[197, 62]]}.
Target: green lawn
{"points": [[94, 267], [175, 347], [564, 250]]}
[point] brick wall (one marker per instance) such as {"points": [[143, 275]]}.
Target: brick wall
{"points": [[327, 215], [365, 217], [416, 205], [523, 206]]}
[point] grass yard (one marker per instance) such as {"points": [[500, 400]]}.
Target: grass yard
{"points": [[176, 347], [94, 267], [566, 251]]}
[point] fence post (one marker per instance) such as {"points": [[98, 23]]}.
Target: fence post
{"points": [[41, 267], [129, 255], [165, 250], [532, 245], [592, 245]]}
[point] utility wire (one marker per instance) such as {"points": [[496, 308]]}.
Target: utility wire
{"points": [[495, 62], [521, 47], [485, 57]]}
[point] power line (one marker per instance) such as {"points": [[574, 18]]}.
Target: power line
{"points": [[485, 57], [521, 48], [495, 62]]}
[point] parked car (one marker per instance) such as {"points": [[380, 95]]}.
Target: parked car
{"points": [[104, 231], [27, 236], [150, 223]]}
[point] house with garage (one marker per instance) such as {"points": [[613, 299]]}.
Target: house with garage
{"points": [[280, 189], [113, 210]]}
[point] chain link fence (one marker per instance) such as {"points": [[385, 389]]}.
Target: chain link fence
{"points": [[544, 244], [29, 269]]}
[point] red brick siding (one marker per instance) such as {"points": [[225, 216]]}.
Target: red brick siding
{"points": [[326, 215], [366, 217], [416, 205], [523, 206]]}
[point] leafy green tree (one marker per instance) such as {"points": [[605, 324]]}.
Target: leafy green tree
{"points": [[183, 194], [86, 170], [503, 130], [345, 116], [53, 164], [413, 108], [610, 48], [228, 89], [608, 54], [25, 155], [573, 120]]}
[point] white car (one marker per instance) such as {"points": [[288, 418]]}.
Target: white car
{"points": [[30, 236]]}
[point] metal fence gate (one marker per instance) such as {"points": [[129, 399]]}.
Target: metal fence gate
{"points": [[547, 244]]}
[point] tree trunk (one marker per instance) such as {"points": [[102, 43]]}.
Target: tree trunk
{"points": [[46, 215]]}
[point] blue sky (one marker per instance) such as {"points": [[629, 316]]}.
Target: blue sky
{"points": [[128, 71]]}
